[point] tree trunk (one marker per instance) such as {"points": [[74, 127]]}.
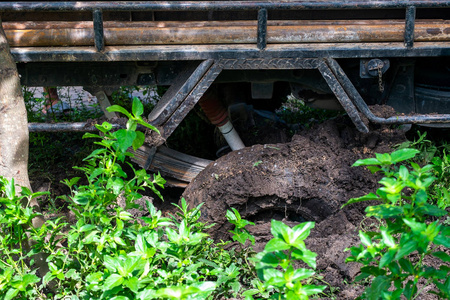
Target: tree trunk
{"points": [[14, 131]]}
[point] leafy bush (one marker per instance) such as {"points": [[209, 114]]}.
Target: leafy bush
{"points": [[435, 153], [393, 257], [107, 254], [275, 265]]}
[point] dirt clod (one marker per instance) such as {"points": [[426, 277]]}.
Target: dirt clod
{"points": [[307, 179]]}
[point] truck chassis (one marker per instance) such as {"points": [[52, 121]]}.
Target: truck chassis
{"points": [[356, 46]]}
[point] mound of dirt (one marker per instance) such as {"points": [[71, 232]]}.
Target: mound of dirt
{"points": [[307, 179]]}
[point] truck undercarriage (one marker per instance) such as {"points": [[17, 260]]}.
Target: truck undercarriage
{"points": [[349, 54]]}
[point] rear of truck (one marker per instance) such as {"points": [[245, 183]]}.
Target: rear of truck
{"points": [[331, 54]]}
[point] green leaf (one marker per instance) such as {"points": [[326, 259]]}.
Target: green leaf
{"points": [[306, 256], [176, 292], [410, 289], [442, 240], [112, 281], [405, 249], [365, 239], [116, 184], [11, 293], [395, 268], [110, 263], [302, 231], [276, 244], [105, 127], [10, 189], [384, 211], [139, 140], [125, 139], [268, 259], [380, 283], [431, 210], [117, 108], [274, 277], [367, 197], [372, 270], [87, 227], [120, 298], [403, 154], [387, 258], [132, 283], [403, 172], [137, 107], [301, 274], [406, 265], [231, 217], [313, 289], [388, 239], [442, 255], [148, 125], [416, 227], [91, 135], [280, 230], [148, 293], [366, 162], [81, 198], [29, 279], [384, 158]]}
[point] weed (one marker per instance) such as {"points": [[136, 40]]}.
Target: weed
{"points": [[435, 153], [107, 254], [275, 265], [387, 254], [295, 111]]}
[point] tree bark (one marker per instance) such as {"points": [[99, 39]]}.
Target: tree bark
{"points": [[13, 119], [14, 136]]}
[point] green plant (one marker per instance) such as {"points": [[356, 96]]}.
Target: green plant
{"points": [[239, 232], [108, 254], [124, 97], [18, 278], [427, 148], [436, 153], [275, 265], [295, 111], [440, 189], [393, 257]]}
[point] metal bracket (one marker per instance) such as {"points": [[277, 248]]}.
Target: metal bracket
{"points": [[359, 102], [368, 68]]}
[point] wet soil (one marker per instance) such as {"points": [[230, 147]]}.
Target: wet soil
{"points": [[307, 179]]}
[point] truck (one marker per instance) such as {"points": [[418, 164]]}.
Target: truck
{"points": [[337, 54]]}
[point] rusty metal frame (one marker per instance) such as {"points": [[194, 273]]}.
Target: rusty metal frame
{"points": [[215, 58], [361, 105], [99, 52], [195, 81], [180, 102], [216, 5]]}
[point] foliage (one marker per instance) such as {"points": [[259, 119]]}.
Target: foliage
{"points": [[107, 254], [240, 233], [275, 265], [17, 277], [435, 153], [125, 94], [295, 111], [393, 257]]}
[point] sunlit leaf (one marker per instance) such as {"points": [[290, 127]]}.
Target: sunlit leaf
{"points": [[137, 107]]}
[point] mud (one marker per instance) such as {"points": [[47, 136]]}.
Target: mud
{"points": [[307, 179]]}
